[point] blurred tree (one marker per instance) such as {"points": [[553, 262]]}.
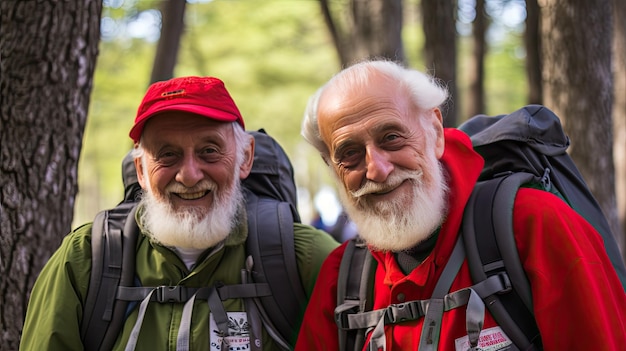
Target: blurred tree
{"points": [[532, 44], [172, 27], [440, 49], [619, 113], [366, 29], [48, 55], [476, 100], [578, 86]]}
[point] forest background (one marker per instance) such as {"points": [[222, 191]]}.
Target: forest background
{"points": [[272, 55], [74, 72]]}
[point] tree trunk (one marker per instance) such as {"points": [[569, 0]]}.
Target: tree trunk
{"points": [[477, 72], [619, 114], [334, 30], [48, 51], [377, 29], [369, 29], [172, 27], [439, 25], [532, 43], [578, 86]]}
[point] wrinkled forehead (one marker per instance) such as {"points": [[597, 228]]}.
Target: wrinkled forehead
{"points": [[354, 97]]}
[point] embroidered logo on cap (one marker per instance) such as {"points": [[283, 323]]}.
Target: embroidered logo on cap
{"points": [[174, 93]]}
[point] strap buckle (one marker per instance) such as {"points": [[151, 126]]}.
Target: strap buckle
{"points": [[402, 312], [506, 283], [171, 294], [342, 311]]}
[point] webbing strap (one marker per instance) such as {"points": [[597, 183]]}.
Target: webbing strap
{"points": [[254, 320], [474, 317], [252, 309], [184, 330], [178, 293], [431, 329], [134, 334], [395, 313], [347, 319], [378, 340], [219, 314], [414, 310], [214, 296]]}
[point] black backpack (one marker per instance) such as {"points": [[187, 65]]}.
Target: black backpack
{"points": [[275, 291], [524, 148]]}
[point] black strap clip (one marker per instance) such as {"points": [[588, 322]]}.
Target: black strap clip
{"points": [[171, 294]]}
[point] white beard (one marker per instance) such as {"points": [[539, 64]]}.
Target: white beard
{"points": [[192, 227], [405, 221]]}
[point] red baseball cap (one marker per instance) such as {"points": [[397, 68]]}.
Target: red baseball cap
{"points": [[204, 96]]}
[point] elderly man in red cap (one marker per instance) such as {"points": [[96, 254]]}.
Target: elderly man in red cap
{"points": [[191, 153]]}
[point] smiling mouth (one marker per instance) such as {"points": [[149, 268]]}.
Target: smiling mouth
{"points": [[193, 196], [388, 189], [383, 192]]}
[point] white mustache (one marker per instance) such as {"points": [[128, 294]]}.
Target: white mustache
{"points": [[394, 181]]}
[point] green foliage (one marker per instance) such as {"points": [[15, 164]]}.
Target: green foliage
{"points": [[272, 55], [505, 80], [505, 76]]}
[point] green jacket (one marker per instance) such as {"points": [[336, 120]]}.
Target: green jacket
{"points": [[54, 312]]}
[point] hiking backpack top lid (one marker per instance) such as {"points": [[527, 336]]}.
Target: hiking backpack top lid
{"points": [[533, 141], [534, 125], [272, 173]]}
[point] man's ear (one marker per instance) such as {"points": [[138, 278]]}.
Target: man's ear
{"points": [[248, 159], [438, 125], [139, 168]]}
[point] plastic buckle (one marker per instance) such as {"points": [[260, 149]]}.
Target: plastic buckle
{"points": [[403, 312], [342, 311], [506, 283], [171, 294]]}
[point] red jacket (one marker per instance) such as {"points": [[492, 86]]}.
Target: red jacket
{"points": [[579, 302]]}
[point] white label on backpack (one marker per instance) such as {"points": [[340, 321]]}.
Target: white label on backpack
{"points": [[491, 339], [238, 335]]}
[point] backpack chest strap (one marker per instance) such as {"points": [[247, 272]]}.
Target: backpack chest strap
{"points": [[178, 293], [431, 309]]}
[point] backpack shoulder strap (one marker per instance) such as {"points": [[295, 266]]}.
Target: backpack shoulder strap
{"points": [[271, 245], [354, 291], [113, 240], [491, 249]]}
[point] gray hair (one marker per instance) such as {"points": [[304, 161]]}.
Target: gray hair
{"points": [[424, 90]]}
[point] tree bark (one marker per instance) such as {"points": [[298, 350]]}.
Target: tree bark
{"points": [[172, 27], [477, 73], [532, 43], [619, 114], [48, 54], [578, 86], [440, 50], [368, 29]]}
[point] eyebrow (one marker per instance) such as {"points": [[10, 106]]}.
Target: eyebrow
{"points": [[378, 129], [340, 147]]}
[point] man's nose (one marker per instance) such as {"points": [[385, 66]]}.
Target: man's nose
{"points": [[189, 173], [377, 164]]}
